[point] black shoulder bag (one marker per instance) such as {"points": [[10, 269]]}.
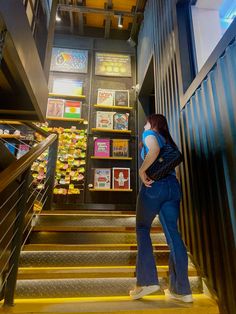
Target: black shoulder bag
{"points": [[168, 158]]}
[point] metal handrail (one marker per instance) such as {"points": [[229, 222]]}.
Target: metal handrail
{"points": [[12, 172], [18, 173]]}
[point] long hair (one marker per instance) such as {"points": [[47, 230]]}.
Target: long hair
{"points": [[159, 123]]}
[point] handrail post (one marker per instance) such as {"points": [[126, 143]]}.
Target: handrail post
{"points": [[17, 241], [50, 175]]}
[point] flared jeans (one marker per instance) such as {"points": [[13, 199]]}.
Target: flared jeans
{"points": [[162, 199]]}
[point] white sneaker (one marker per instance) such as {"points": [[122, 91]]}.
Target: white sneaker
{"points": [[187, 298], [140, 292]]}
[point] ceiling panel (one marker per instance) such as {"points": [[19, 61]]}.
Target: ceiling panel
{"points": [[97, 20], [124, 5]]}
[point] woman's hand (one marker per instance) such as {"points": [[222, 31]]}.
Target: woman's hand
{"points": [[145, 179]]}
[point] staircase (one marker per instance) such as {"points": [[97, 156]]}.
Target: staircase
{"points": [[84, 262]]}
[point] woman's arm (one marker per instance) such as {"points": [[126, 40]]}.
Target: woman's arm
{"points": [[152, 154]]}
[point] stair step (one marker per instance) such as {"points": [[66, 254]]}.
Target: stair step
{"points": [[89, 238], [89, 247], [89, 287], [88, 220], [88, 272], [85, 258], [115, 305], [88, 213], [114, 229]]}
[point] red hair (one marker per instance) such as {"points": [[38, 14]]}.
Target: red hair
{"points": [[159, 123]]}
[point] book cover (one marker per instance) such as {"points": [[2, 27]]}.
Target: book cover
{"points": [[55, 108], [120, 148], [101, 147], [22, 150], [105, 97], [122, 98], [104, 119], [67, 87], [121, 178], [11, 147], [121, 121], [102, 178], [72, 109]]}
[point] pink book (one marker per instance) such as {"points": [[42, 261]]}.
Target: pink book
{"points": [[102, 147]]}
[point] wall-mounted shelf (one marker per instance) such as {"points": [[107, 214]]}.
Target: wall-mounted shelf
{"points": [[66, 96], [9, 122], [113, 107], [9, 136], [65, 119], [112, 158], [110, 190], [111, 130]]}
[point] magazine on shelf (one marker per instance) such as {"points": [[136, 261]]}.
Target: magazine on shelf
{"points": [[11, 147], [121, 121], [55, 108], [121, 178], [22, 150], [69, 87], [72, 109], [105, 97], [102, 147], [120, 148], [102, 178], [122, 98], [104, 119]]}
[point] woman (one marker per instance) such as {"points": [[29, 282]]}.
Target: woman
{"points": [[161, 198]]}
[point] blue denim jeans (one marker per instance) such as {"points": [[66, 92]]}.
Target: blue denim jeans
{"points": [[162, 199]]}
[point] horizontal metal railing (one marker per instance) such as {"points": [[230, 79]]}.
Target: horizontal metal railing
{"points": [[21, 198]]}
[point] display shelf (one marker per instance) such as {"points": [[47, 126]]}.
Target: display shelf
{"points": [[10, 136], [66, 96], [113, 107], [111, 131], [10, 122], [111, 190], [65, 119], [112, 158]]}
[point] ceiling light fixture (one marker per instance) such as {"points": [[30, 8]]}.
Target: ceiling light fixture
{"points": [[120, 21]]}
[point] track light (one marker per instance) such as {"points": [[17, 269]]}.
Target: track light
{"points": [[120, 21], [58, 16]]}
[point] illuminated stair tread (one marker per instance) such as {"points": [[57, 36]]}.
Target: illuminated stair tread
{"points": [[90, 229], [89, 237], [115, 305], [87, 272], [86, 258], [92, 247], [86, 287]]}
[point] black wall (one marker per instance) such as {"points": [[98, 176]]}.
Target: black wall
{"points": [[103, 200]]}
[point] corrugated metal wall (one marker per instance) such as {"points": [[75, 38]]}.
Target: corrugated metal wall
{"points": [[145, 42], [208, 132], [157, 38], [207, 128]]}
